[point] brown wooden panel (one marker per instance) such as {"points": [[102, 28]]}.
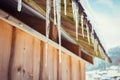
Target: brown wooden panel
{"points": [[75, 69], [65, 67], [43, 68], [72, 47], [82, 70], [87, 57], [52, 63], [36, 59], [23, 59], [29, 58], [5, 47], [59, 69]]}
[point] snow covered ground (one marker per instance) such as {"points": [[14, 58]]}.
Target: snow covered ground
{"points": [[112, 73]]}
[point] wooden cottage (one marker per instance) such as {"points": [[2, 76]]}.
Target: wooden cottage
{"points": [[30, 50]]}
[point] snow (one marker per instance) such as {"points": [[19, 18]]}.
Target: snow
{"points": [[65, 7]]}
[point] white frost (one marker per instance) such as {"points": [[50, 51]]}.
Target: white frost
{"points": [[54, 6], [19, 6], [65, 7], [82, 25], [48, 9], [101, 51], [76, 17], [88, 35], [92, 37], [96, 46]]}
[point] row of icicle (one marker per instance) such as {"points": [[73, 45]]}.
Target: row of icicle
{"points": [[57, 21]]}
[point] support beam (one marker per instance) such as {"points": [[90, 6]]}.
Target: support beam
{"points": [[87, 57], [72, 47]]}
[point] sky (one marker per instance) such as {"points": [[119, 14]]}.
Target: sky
{"points": [[106, 20]]}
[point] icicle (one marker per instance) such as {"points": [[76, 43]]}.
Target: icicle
{"points": [[54, 6], [48, 8], [95, 46], [73, 9], [65, 7], [58, 9], [92, 37], [82, 25], [77, 23], [19, 6], [101, 51], [76, 17], [88, 35]]}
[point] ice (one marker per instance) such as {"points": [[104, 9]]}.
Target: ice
{"points": [[88, 35], [76, 17], [92, 37], [19, 6], [65, 7], [82, 25], [96, 46], [54, 6]]}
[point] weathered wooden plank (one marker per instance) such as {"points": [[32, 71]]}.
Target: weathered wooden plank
{"points": [[5, 48], [71, 46], [65, 67], [75, 69], [23, 58], [41, 61], [36, 59], [12, 53], [82, 70], [87, 57], [59, 68], [52, 63], [43, 67]]}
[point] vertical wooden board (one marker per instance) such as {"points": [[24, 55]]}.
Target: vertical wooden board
{"points": [[59, 68], [5, 47], [55, 63], [52, 63], [23, 59], [36, 59], [75, 69], [65, 67], [82, 70], [43, 67]]}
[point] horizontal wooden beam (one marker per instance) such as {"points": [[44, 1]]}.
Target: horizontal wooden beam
{"points": [[87, 57], [71, 46]]}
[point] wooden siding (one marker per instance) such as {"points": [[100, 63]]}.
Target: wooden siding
{"points": [[22, 57]]}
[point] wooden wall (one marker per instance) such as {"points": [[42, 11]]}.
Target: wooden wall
{"points": [[22, 57]]}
